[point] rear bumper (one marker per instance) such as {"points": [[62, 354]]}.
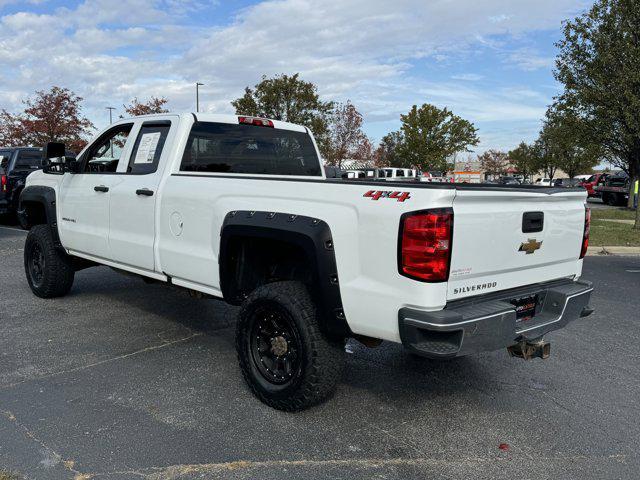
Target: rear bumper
{"points": [[489, 323]]}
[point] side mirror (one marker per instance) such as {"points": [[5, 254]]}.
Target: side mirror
{"points": [[54, 159]]}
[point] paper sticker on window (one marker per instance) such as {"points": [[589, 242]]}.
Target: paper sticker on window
{"points": [[147, 148]]}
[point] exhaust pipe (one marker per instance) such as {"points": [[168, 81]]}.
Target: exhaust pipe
{"points": [[529, 350]]}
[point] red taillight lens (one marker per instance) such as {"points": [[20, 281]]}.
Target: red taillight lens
{"points": [[585, 235], [258, 122], [3, 182], [425, 245]]}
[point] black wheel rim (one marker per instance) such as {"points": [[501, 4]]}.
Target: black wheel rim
{"points": [[275, 344], [36, 264]]}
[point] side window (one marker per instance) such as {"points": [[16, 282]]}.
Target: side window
{"points": [[147, 150], [104, 154], [399, 173]]}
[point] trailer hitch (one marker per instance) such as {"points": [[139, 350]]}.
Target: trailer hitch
{"points": [[528, 350]]}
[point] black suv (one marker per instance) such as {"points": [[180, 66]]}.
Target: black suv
{"points": [[15, 164]]}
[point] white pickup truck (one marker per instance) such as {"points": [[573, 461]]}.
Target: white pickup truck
{"points": [[238, 208]]}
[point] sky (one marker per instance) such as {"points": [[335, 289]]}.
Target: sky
{"points": [[489, 61]]}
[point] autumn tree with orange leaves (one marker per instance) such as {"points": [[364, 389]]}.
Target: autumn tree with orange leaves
{"points": [[51, 116], [153, 105]]}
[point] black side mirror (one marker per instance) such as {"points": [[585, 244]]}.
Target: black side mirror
{"points": [[53, 150], [54, 159]]}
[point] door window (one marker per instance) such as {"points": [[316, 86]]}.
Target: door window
{"points": [[104, 154], [147, 150]]}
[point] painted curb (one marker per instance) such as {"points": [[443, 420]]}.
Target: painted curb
{"points": [[613, 250]]}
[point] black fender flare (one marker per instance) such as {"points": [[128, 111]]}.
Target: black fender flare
{"points": [[312, 235], [45, 196]]}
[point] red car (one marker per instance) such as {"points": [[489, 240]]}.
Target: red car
{"points": [[591, 182]]}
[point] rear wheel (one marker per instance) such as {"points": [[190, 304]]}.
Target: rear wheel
{"points": [[49, 271], [286, 360]]}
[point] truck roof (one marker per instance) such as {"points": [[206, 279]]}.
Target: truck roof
{"points": [[225, 118]]}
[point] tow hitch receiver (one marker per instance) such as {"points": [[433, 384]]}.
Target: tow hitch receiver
{"points": [[529, 350]]}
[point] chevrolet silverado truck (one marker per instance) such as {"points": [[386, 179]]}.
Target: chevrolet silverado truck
{"points": [[238, 208]]}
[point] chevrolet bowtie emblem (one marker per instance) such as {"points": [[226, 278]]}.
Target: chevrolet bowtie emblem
{"points": [[530, 246]]}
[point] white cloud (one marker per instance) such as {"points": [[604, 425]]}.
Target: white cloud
{"points": [[109, 51]]}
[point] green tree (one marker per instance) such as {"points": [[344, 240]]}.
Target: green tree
{"points": [[599, 65], [574, 152], [387, 151], [524, 159], [290, 99], [545, 159], [431, 136]]}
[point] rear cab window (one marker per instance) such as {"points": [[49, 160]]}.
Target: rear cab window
{"points": [[249, 149], [28, 160]]}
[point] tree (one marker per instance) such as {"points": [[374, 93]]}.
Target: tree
{"points": [[53, 116], [545, 159], [493, 162], [153, 105], [524, 159], [431, 136], [289, 99], [599, 65], [346, 140], [574, 152], [386, 153]]}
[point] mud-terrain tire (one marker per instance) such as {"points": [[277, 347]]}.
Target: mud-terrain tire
{"points": [[49, 270], [286, 360]]}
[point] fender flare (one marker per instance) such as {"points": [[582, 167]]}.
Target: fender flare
{"points": [[311, 235], [45, 196]]}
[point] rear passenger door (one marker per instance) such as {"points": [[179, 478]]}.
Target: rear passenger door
{"points": [[132, 224]]}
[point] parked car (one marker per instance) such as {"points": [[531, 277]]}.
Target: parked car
{"points": [[508, 181], [567, 182], [392, 173], [543, 182], [209, 203], [15, 165]]}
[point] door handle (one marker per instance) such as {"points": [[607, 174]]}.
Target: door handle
{"points": [[144, 191], [101, 188]]}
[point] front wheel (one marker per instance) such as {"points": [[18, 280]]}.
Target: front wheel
{"points": [[288, 363], [49, 271]]}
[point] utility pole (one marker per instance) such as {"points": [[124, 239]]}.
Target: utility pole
{"points": [[111, 109], [198, 84]]}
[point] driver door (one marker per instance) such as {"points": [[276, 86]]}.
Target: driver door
{"points": [[85, 196]]}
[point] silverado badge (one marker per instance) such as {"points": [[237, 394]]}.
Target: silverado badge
{"points": [[530, 246]]}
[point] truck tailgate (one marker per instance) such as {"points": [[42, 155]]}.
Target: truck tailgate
{"points": [[490, 250]]}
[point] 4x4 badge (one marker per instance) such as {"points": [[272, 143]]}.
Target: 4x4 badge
{"points": [[530, 246]]}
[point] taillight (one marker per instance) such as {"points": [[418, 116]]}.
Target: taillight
{"points": [[258, 122], [425, 244], [585, 235], [3, 182]]}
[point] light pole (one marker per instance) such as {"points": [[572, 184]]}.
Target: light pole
{"points": [[198, 84]]}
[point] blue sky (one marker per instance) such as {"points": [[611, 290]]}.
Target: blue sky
{"points": [[489, 61]]}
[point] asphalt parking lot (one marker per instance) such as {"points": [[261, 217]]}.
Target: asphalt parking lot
{"points": [[123, 380]]}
